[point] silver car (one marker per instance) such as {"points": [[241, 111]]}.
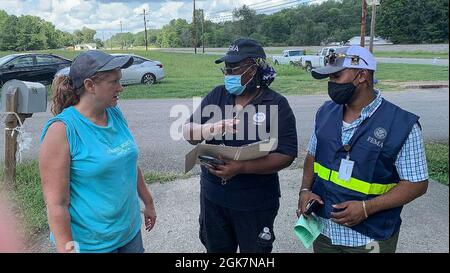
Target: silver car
{"points": [[143, 70]]}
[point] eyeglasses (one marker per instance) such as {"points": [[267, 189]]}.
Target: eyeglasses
{"points": [[233, 70], [333, 57]]}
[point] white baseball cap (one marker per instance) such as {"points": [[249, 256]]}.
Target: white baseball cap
{"points": [[346, 57]]}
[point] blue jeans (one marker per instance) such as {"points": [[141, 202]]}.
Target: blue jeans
{"points": [[134, 246]]}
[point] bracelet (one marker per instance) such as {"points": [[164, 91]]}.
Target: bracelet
{"points": [[304, 189], [364, 207]]}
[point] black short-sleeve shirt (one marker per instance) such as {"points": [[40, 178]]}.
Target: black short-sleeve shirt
{"points": [[269, 115]]}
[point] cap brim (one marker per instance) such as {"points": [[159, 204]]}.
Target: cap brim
{"points": [[230, 59], [121, 62], [324, 72]]}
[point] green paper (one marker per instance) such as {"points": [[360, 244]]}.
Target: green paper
{"points": [[308, 229]]}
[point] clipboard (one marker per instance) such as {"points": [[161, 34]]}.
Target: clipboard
{"points": [[247, 152]]}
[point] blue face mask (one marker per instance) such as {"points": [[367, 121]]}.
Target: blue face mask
{"points": [[233, 84]]}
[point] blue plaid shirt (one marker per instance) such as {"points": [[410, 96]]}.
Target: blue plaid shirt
{"points": [[411, 165]]}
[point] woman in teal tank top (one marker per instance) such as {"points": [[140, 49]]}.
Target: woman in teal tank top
{"points": [[88, 162]]}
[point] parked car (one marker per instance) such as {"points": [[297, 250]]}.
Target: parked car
{"points": [[312, 61], [289, 57], [31, 67], [142, 70], [376, 41]]}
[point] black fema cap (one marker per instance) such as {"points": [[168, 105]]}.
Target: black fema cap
{"points": [[241, 49], [90, 62]]}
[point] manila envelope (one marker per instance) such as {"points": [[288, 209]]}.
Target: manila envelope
{"points": [[252, 151]]}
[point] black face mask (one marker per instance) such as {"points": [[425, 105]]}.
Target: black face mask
{"points": [[341, 93]]}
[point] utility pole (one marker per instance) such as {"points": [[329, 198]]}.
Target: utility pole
{"points": [[110, 40], [372, 24], [203, 33], [145, 26], [103, 39], [195, 29], [121, 36], [363, 23]]}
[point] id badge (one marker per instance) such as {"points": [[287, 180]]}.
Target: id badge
{"points": [[346, 169]]}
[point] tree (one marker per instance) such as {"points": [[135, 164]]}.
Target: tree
{"points": [[413, 21], [176, 34], [65, 39], [85, 35], [247, 21], [99, 43], [8, 32], [30, 34]]}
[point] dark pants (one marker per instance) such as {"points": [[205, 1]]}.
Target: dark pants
{"points": [[323, 245], [224, 230]]}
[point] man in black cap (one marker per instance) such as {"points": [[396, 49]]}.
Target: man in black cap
{"points": [[240, 199]]}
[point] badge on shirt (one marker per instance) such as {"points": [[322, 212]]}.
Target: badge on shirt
{"points": [[259, 118], [346, 169]]}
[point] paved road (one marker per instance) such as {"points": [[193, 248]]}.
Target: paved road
{"points": [[433, 61], [436, 61], [150, 123], [424, 229]]}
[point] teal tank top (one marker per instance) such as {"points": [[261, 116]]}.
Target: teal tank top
{"points": [[104, 204]]}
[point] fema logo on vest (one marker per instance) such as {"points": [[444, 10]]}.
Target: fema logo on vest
{"points": [[380, 134]]}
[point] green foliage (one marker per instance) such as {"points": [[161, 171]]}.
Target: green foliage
{"points": [[437, 158], [413, 21], [401, 21], [33, 33]]}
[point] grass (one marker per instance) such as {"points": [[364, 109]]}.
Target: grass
{"points": [[437, 157], [189, 75], [29, 199]]}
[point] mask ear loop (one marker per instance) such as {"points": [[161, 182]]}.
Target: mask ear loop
{"points": [[252, 75], [259, 66]]}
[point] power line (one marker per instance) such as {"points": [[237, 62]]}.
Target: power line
{"points": [[251, 5], [271, 8], [288, 3]]}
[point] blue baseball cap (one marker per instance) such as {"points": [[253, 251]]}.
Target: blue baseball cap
{"points": [[90, 62], [346, 57]]}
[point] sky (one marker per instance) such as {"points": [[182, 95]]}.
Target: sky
{"points": [[105, 16]]}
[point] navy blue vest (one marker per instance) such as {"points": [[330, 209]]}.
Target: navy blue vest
{"points": [[374, 149]]}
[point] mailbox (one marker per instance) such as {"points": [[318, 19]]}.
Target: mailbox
{"points": [[31, 96]]}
